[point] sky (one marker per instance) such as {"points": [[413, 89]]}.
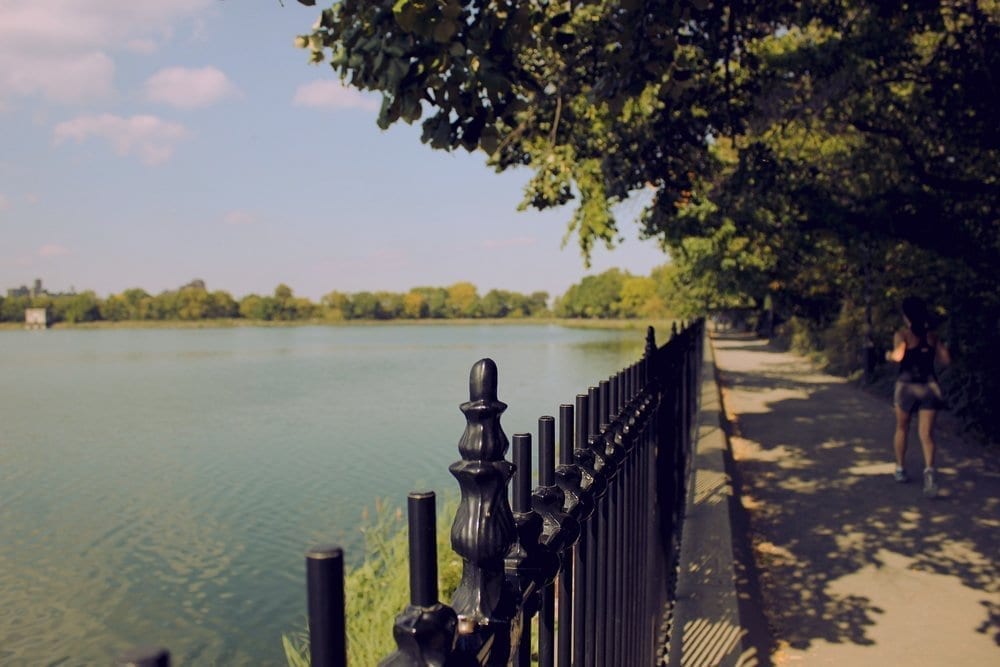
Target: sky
{"points": [[146, 143]]}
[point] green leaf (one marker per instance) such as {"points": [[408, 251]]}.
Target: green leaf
{"points": [[452, 10], [565, 36], [560, 19], [442, 135], [411, 109], [406, 16], [395, 72], [489, 140], [444, 31]]}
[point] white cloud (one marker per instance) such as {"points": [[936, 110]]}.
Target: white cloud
{"points": [[62, 49], [332, 95], [66, 80], [239, 218], [149, 137], [189, 88], [53, 250]]}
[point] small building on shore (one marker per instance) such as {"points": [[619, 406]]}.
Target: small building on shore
{"points": [[35, 318]]}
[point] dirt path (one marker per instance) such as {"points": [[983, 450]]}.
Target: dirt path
{"points": [[855, 569]]}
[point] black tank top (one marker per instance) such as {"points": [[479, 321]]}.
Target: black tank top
{"points": [[918, 362]]}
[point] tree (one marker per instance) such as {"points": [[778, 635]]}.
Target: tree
{"points": [[139, 303], [221, 304], [639, 298], [363, 306], [603, 98], [83, 307], [463, 300], [114, 308], [390, 305], [537, 304], [193, 303], [436, 299], [594, 296], [335, 305], [495, 303], [254, 307], [414, 305], [12, 308]]}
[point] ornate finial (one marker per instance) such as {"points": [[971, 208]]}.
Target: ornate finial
{"points": [[650, 342], [483, 438], [483, 531], [483, 381]]}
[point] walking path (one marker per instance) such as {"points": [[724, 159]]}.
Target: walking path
{"points": [[854, 569]]}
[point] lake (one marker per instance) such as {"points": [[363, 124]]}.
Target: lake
{"points": [[160, 486]]}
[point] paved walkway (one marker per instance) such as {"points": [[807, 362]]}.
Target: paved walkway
{"points": [[854, 569]]}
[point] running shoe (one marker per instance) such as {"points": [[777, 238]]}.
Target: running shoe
{"points": [[930, 483], [900, 476]]}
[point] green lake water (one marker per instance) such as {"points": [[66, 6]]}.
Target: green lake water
{"points": [[161, 486]]}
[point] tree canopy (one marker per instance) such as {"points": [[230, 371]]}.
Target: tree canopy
{"points": [[809, 154], [874, 117]]}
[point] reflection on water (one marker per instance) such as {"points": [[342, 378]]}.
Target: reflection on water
{"points": [[161, 486]]}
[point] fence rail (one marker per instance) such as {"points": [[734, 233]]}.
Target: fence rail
{"points": [[590, 552]]}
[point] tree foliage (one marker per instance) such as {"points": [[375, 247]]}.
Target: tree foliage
{"points": [[194, 301], [789, 147], [617, 294], [602, 98]]}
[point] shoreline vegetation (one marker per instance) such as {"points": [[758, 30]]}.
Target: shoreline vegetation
{"points": [[611, 295], [661, 325]]}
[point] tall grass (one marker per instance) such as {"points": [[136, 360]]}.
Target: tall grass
{"points": [[378, 589]]}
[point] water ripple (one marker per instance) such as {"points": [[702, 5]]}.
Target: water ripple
{"points": [[162, 486]]}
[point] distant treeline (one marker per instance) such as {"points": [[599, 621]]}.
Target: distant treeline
{"points": [[612, 294]]}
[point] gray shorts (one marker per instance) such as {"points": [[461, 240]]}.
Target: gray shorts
{"points": [[913, 396]]}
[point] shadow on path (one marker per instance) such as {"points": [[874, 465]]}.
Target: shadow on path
{"points": [[847, 558]]}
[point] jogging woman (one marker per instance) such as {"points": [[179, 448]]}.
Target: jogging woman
{"points": [[917, 349]]}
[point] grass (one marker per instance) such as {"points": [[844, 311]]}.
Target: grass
{"points": [[378, 589]]}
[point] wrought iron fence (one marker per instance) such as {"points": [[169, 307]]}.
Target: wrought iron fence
{"points": [[590, 552]]}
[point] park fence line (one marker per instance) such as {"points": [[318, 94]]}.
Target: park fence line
{"points": [[591, 552]]}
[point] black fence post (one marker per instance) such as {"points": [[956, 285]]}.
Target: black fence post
{"points": [[325, 586], [568, 478], [594, 539], [521, 561], [425, 630], [559, 532], [583, 618]]}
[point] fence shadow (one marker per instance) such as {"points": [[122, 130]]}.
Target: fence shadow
{"points": [[814, 460]]}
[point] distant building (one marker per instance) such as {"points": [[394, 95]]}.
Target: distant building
{"points": [[35, 318], [24, 290], [36, 290]]}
